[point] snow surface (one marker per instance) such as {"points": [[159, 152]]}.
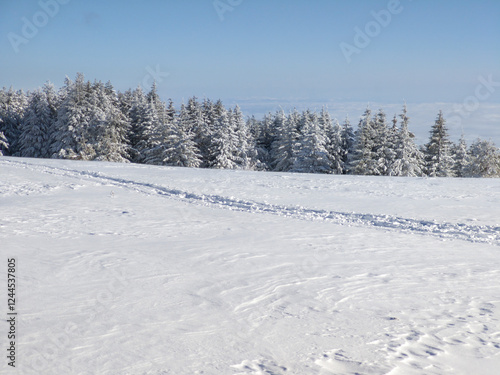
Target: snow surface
{"points": [[134, 269]]}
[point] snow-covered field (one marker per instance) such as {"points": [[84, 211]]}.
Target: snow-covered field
{"points": [[133, 269]]}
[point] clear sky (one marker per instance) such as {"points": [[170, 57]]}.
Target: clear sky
{"points": [[265, 53]]}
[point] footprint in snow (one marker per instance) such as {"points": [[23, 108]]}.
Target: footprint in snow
{"points": [[259, 367], [337, 362]]}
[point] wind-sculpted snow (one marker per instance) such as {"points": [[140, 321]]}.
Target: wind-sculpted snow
{"points": [[146, 270], [474, 233]]}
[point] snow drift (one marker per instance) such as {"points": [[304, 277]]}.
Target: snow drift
{"points": [[134, 269]]}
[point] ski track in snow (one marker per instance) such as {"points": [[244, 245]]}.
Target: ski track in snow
{"points": [[310, 308], [473, 233]]}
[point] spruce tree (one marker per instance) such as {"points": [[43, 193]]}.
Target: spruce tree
{"points": [[171, 112], [73, 117], [409, 160], [246, 143], [198, 122], [125, 101], [12, 107], [90, 124], [180, 148], [381, 152], [224, 148], [391, 145], [4, 144], [111, 143], [35, 127], [333, 141], [312, 155], [485, 160], [347, 145], [154, 98], [137, 116], [438, 159], [54, 101], [262, 133], [334, 146], [284, 147], [461, 157], [365, 158], [204, 118], [150, 135]]}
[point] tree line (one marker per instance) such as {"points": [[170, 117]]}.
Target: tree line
{"points": [[91, 121]]}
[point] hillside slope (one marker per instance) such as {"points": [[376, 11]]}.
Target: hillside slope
{"points": [[132, 269]]}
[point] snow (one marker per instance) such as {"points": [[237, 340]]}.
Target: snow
{"points": [[134, 269]]}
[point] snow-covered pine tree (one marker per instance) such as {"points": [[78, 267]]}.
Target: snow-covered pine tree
{"points": [[93, 127], [54, 100], [391, 143], [4, 144], [364, 160], [312, 155], [171, 112], [203, 138], [183, 119], [409, 160], [347, 146], [154, 98], [335, 149], [73, 117], [125, 100], [255, 129], [136, 114], [461, 157], [198, 122], [162, 128], [438, 159], [103, 127], [264, 134], [157, 142], [59, 130], [325, 121], [380, 150], [180, 148], [333, 141], [111, 142], [36, 126], [4, 107], [171, 134], [12, 107], [150, 147], [485, 160], [284, 146], [224, 145], [246, 143]]}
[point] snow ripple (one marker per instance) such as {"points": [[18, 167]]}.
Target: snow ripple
{"points": [[473, 233]]}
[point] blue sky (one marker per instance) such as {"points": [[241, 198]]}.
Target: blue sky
{"points": [[266, 53]]}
